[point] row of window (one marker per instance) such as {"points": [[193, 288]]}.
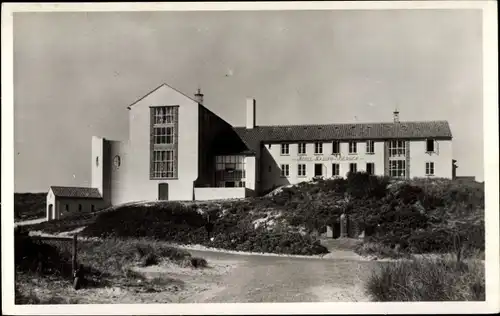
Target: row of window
{"points": [[397, 169], [318, 148], [318, 169], [396, 147]]}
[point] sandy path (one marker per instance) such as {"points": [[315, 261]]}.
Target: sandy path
{"points": [[286, 279]]}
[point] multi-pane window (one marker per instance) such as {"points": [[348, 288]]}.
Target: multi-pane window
{"points": [[397, 168], [230, 170], [335, 148], [301, 170], [353, 167], [285, 149], [318, 148], [164, 129], [163, 135], [165, 115], [370, 147], [429, 168], [302, 148], [430, 145], [163, 164], [285, 170], [353, 147], [370, 168], [397, 148], [335, 169]]}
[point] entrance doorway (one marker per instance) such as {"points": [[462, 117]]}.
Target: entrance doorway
{"points": [[163, 191], [318, 170], [51, 212]]}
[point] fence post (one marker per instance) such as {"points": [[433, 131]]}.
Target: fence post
{"points": [[73, 261]]}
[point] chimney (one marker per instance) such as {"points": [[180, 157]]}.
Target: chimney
{"points": [[250, 113], [396, 116], [198, 96]]}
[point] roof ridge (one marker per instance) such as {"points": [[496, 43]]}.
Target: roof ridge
{"points": [[158, 87], [356, 123]]}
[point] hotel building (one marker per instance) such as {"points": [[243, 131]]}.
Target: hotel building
{"points": [[177, 149]]}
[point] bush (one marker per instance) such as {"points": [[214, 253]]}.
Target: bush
{"points": [[39, 257], [362, 184], [29, 205], [195, 262], [427, 280]]}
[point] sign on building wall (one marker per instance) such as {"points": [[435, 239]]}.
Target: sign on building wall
{"points": [[328, 158]]}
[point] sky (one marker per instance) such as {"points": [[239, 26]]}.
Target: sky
{"points": [[76, 73]]}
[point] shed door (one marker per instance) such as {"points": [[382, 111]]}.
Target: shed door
{"points": [[163, 191], [51, 212]]}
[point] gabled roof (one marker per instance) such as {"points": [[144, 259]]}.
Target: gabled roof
{"points": [[162, 85], [354, 131], [76, 192]]}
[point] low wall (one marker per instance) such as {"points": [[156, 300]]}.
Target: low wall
{"points": [[203, 194]]}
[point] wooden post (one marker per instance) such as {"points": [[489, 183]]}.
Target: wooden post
{"points": [[73, 261], [343, 225]]}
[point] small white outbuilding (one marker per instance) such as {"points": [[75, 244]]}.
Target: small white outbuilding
{"points": [[62, 201]]}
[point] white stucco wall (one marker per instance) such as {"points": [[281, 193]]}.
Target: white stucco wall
{"points": [[272, 161], [120, 183], [250, 173], [97, 168], [442, 158], [139, 185], [51, 200]]}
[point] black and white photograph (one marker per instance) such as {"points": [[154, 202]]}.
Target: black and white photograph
{"points": [[172, 156]]}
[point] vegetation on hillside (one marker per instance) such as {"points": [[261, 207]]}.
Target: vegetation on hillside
{"points": [[105, 262], [398, 218], [428, 279], [29, 206]]}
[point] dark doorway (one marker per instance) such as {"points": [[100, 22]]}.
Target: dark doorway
{"points": [[370, 168], [318, 170], [51, 212], [163, 191], [230, 184]]}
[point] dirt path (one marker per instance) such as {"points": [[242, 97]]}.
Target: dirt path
{"points": [[235, 277], [30, 222], [286, 279]]}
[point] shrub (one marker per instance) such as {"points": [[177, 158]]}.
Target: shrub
{"points": [[195, 262], [362, 184], [427, 280], [379, 250], [38, 257], [150, 259], [29, 205]]}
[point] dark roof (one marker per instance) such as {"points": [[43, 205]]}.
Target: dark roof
{"points": [[76, 192], [360, 131]]}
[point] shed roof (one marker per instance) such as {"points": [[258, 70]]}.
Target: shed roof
{"points": [[76, 192]]}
